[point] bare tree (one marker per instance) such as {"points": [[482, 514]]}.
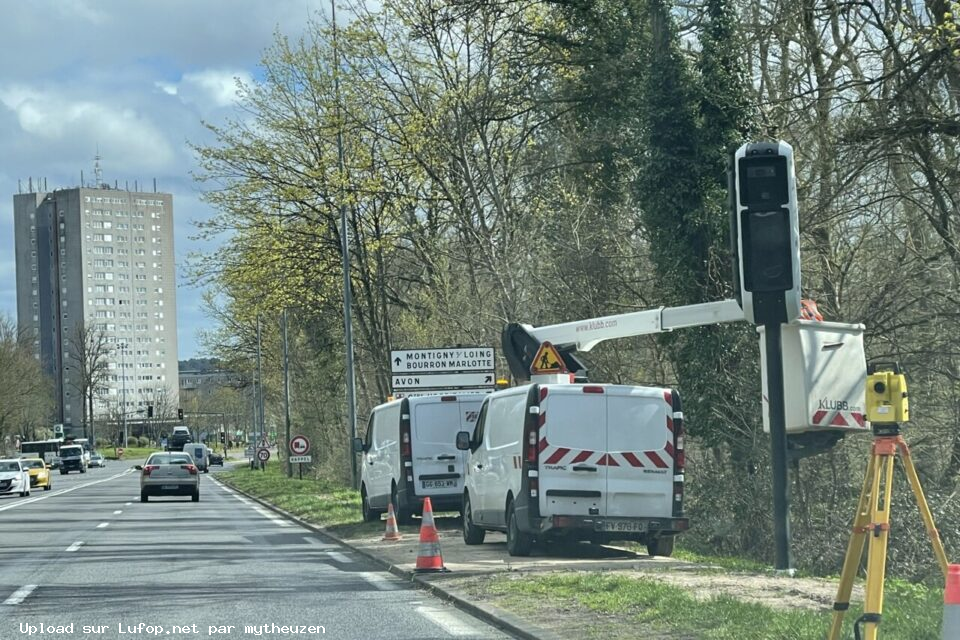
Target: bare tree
{"points": [[88, 350]]}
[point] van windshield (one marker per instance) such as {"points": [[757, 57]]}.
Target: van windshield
{"points": [[69, 452], [437, 423]]}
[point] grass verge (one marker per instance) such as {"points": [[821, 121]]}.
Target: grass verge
{"points": [[129, 453], [320, 502], [630, 605]]}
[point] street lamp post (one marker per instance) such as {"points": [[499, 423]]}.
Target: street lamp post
{"points": [[123, 380]]}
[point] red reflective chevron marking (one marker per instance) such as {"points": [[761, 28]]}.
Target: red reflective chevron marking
{"points": [[839, 421], [656, 460], [669, 448], [670, 424], [543, 445], [818, 417], [608, 461], [541, 420], [668, 397], [582, 456], [859, 418], [632, 459], [558, 455]]}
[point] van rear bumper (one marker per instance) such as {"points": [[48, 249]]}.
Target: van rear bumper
{"points": [[610, 527]]}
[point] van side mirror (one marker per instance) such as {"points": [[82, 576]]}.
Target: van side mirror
{"points": [[358, 445], [463, 440], [138, 467]]}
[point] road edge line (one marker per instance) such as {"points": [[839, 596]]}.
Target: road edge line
{"points": [[490, 614]]}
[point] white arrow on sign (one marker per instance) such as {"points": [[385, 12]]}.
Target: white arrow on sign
{"points": [[299, 445], [442, 359], [443, 380]]}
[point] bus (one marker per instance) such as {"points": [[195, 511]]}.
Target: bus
{"points": [[48, 450]]}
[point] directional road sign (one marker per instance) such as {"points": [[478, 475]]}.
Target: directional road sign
{"points": [[436, 392], [263, 454], [301, 458], [299, 445], [443, 380], [442, 360]]}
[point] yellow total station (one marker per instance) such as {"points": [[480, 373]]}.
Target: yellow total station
{"points": [[886, 399]]}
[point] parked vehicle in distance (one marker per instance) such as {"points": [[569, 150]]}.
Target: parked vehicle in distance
{"points": [[409, 454], [169, 473], [39, 471], [97, 459], [200, 454], [593, 462], [216, 458], [72, 459], [14, 477]]}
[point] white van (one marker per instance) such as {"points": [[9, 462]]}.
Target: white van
{"points": [[591, 462], [200, 454], [409, 453]]}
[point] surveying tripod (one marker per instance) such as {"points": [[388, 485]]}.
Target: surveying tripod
{"points": [[873, 519]]}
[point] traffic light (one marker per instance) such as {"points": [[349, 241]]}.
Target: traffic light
{"points": [[179, 414], [765, 232], [149, 410], [223, 437]]}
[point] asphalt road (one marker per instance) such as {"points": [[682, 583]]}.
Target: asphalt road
{"points": [[89, 554]]}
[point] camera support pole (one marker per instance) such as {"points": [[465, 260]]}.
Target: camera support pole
{"points": [[873, 519], [772, 343]]}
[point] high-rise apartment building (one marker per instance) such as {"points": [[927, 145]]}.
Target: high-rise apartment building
{"points": [[101, 259]]}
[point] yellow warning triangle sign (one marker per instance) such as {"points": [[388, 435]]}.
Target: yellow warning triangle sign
{"points": [[548, 360]]}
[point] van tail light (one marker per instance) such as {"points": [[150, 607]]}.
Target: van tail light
{"points": [[148, 468], [190, 467], [534, 487], [533, 446], [405, 445], [679, 455], [592, 388]]}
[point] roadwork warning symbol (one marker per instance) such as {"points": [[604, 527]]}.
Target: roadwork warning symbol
{"points": [[548, 360]]}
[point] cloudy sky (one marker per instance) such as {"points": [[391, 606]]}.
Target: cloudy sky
{"points": [[134, 79]]}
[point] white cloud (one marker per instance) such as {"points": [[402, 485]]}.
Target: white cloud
{"points": [[212, 88], [55, 117]]}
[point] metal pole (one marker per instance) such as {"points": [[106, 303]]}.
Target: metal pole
{"points": [[260, 386], [123, 379], [345, 251], [286, 392], [778, 445]]}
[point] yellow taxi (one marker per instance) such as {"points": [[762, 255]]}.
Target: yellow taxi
{"points": [[39, 473]]}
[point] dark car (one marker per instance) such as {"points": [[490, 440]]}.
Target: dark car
{"points": [[216, 458]]}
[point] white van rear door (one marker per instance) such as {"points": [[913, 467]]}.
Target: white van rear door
{"points": [[640, 461], [437, 463], [573, 442]]}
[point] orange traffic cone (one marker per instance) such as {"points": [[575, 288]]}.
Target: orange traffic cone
{"points": [[951, 603], [429, 559], [392, 533]]}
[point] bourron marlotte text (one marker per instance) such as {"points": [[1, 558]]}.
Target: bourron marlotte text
{"points": [[448, 360]]}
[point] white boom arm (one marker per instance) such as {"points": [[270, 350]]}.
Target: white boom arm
{"points": [[584, 335]]}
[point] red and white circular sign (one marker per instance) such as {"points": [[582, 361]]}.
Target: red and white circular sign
{"points": [[299, 445]]}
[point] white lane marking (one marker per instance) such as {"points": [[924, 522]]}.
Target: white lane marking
{"points": [[76, 545], [127, 504], [103, 525], [378, 580], [54, 494], [20, 594], [339, 557], [311, 540], [448, 622], [269, 515], [117, 512]]}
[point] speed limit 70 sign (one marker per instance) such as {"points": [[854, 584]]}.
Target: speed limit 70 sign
{"points": [[299, 445]]}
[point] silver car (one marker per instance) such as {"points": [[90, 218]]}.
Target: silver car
{"points": [[169, 473]]}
